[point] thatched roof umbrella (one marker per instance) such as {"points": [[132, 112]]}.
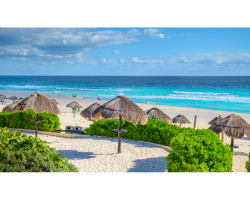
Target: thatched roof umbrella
{"points": [[13, 98], [39, 103], [55, 101], [10, 107], [87, 112], [157, 114], [181, 119], [233, 126], [74, 105], [2, 96], [216, 119], [124, 108]]}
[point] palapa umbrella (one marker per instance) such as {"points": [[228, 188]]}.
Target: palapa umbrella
{"points": [[159, 115], [181, 119], [10, 107], [216, 119], [55, 101], [13, 98], [2, 97], [234, 126], [74, 105], [87, 112], [124, 108], [39, 103]]}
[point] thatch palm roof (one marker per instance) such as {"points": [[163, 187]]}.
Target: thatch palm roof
{"points": [[13, 98], [159, 115], [233, 125], [2, 96], [74, 104], [10, 107], [121, 105], [181, 119], [38, 102], [216, 119], [87, 113], [55, 101]]}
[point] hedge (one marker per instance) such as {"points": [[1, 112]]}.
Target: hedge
{"points": [[154, 131], [248, 163], [19, 153], [23, 120], [199, 150]]}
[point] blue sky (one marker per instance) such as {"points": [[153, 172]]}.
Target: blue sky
{"points": [[125, 51]]}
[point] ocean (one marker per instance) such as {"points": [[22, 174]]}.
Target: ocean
{"points": [[230, 94]]}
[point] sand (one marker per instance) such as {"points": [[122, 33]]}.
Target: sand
{"points": [[109, 146]]}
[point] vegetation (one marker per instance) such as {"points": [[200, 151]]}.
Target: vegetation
{"points": [[199, 150], [154, 131], [248, 164], [23, 120], [19, 153], [193, 150]]}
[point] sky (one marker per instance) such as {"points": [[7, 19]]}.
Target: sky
{"points": [[125, 51]]}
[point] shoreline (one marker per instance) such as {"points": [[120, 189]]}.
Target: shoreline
{"points": [[143, 104], [204, 116]]}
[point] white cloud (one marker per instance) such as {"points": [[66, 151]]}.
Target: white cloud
{"points": [[65, 42], [121, 60], [109, 61], [105, 52], [117, 52], [136, 60], [160, 36], [69, 62], [150, 32], [134, 32], [80, 57]]}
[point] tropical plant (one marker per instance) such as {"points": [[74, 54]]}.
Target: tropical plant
{"points": [[154, 131], [20, 153], [199, 150], [23, 120]]}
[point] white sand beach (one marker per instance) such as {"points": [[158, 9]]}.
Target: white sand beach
{"points": [[94, 154]]}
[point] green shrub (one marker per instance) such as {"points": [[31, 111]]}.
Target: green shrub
{"points": [[248, 164], [154, 131], [199, 150], [19, 153], [23, 120]]}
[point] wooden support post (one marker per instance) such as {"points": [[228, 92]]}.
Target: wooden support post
{"points": [[74, 113], [36, 124], [222, 139], [180, 124], [195, 121], [232, 143], [119, 134], [219, 135]]}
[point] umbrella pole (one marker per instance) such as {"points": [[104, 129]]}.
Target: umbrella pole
{"points": [[119, 134], [222, 139], [36, 123], [232, 143], [180, 124], [74, 113], [195, 121]]}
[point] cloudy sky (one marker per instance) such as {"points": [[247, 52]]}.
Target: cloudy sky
{"points": [[125, 51]]}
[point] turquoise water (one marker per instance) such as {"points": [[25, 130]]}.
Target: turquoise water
{"points": [[214, 93]]}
